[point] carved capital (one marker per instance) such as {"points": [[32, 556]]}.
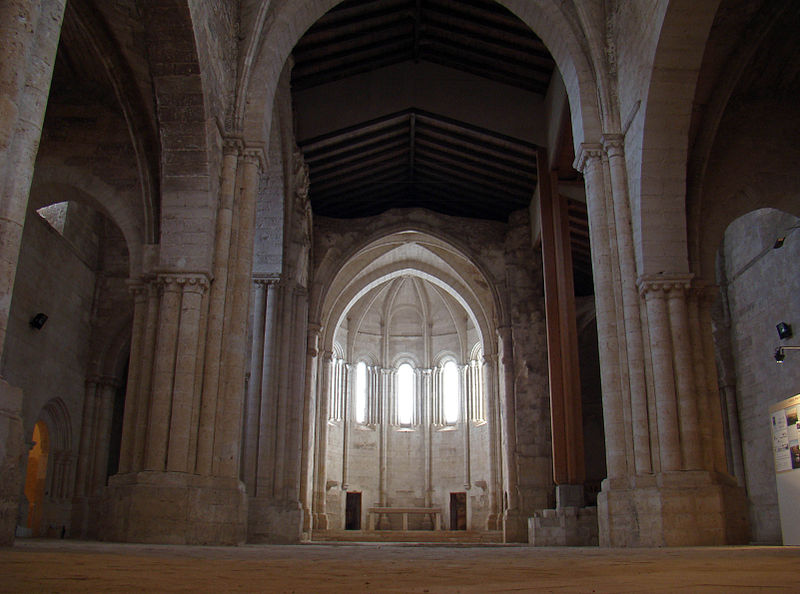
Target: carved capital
{"points": [[232, 146], [267, 280], [614, 145], [255, 155], [184, 281], [706, 292], [662, 285], [138, 289], [587, 151]]}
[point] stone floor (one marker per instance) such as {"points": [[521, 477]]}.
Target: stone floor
{"points": [[70, 566]]}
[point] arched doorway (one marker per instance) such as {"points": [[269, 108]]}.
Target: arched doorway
{"points": [[36, 477]]}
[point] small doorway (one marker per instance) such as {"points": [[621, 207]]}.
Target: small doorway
{"points": [[36, 477], [458, 511], [352, 517]]}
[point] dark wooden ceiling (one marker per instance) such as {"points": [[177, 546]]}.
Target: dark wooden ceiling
{"points": [[413, 158], [477, 36]]}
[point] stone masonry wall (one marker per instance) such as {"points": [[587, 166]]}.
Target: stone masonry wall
{"points": [[524, 283], [762, 288]]}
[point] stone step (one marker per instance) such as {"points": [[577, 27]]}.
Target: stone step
{"points": [[417, 536]]}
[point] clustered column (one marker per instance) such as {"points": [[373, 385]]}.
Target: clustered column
{"points": [[186, 380], [687, 411], [660, 403]]}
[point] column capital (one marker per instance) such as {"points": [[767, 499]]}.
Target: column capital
{"points": [[255, 155], [313, 334], [197, 282], [705, 291], [672, 285], [138, 288], [614, 144], [267, 279], [232, 146], [587, 151]]}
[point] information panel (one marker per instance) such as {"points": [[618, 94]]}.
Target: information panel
{"points": [[786, 450]]}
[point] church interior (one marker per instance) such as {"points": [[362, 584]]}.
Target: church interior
{"points": [[463, 272]]}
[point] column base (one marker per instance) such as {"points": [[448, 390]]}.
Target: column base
{"points": [[569, 524], [274, 523], [12, 459], [564, 527], [681, 508], [174, 508], [515, 527], [320, 521]]}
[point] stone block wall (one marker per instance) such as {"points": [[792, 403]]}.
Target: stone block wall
{"points": [[525, 287], [761, 287]]}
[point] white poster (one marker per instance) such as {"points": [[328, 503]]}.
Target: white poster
{"points": [[786, 436]]}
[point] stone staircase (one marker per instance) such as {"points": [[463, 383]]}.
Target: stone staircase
{"points": [[452, 537]]}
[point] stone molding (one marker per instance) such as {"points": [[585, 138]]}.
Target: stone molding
{"points": [[267, 280], [669, 285], [614, 145], [255, 155], [232, 146], [586, 152], [183, 281]]}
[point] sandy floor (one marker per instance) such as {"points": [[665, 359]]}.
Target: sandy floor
{"points": [[69, 566]]}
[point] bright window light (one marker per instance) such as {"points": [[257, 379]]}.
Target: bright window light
{"points": [[451, 392], [361, 392], [405, 394]]}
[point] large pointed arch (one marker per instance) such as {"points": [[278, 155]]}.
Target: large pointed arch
{"points": [[262, 63]]}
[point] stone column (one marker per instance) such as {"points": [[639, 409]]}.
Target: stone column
{"points": [[185, 397], [163, 372], [309, 425], [346, 398], [29, 33], [324, 393], [227, 427], [143, 393], [139, 291], [496, 502], [464, 394], [217, 305], [508, 413], [183, 485], [425, 394], [384, 419], [85, 459], [268, 400], [253, 405], [589, 161], [634, 345], [691, 446], [106, 393], [663, 375]]}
